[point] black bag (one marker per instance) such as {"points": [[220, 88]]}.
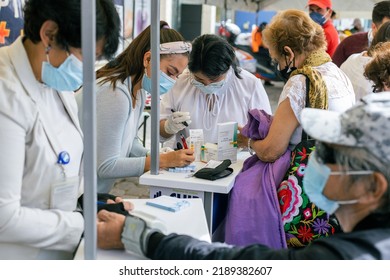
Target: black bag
{"points": [[218, 172]]}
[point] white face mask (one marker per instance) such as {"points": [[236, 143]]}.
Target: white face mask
{"points": [[209, 89]]}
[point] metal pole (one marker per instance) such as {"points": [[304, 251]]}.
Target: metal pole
{"points": [[88, 44], [155, 108]]}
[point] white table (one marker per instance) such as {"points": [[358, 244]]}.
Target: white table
{"points": [[190, 221], [180, 183]]}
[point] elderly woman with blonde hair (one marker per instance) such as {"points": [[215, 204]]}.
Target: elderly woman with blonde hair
{"points": [[297, 45]]}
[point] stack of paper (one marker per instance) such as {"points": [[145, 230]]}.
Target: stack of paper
{"points": [[169, 203]]}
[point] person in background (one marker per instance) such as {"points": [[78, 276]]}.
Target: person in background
{"points": [[347, 175], [378, 69], [361, 41], [41, 141], [321, 11], [259, 51], [213, 90], [120, 99], [353, 67], [257, 41], [357, 26]]}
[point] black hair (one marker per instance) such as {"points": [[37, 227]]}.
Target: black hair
{"points": [[382, 35], [67, 15], [212, 55], [380, 11]]}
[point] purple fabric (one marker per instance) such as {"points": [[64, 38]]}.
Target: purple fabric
{"points": [[253, 215]]}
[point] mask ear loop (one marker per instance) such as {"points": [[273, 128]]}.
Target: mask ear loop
{"points": [[47, 50], [146, 72]]}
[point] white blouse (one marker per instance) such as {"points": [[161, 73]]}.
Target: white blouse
{"points": [[340, 93]]}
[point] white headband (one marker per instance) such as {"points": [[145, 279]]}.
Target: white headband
{"points": [[175, 47]]}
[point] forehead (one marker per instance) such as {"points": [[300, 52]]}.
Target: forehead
{"points": [[179, 61], [317, 9]]}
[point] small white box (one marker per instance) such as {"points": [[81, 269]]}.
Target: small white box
{"points": [[196, 142], [227, 141], [209, 152]]}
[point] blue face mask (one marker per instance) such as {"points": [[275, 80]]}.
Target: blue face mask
{"points": [[166, 83], [314, 181], [318, 18], [209, 89], [67, 77]]}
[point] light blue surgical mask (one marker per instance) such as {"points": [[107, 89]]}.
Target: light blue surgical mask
{"points": [[314, 181], [67, 77], [210, 88], [166, 83]]}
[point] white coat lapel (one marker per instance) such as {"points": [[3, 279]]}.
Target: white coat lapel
{"points": [[68, 99], [25, 74]]}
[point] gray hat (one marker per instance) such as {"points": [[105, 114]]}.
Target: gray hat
{"points": [[366, 125]]}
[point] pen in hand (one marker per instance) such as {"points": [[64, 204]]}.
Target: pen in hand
{"points": [[185, 123]]}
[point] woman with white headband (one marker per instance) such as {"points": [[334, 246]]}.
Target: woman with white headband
{"points": [[122, 86]]}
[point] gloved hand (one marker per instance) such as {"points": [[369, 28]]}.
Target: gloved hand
{"points": [[176, 122], [135, 235]]}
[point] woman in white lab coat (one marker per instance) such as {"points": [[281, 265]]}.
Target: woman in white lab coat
{"points": [[41, 142]]}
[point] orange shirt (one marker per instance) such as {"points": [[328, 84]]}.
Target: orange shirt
{"points": [[257, 40]]}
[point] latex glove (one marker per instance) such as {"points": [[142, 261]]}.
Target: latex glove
{"points": [[176, 122], [165, 150], [135, 235]]}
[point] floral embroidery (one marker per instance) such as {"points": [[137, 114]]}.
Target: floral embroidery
{"points": [[321, 226], [303, 220], [290, 199], [301, 170], [307, 213]]}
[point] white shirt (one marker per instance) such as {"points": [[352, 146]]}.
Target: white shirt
{"points": [[353, 67], [34, 129], [230, 103], [340, 93]]}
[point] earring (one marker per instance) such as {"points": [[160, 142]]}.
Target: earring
{"points": [[47, 49]]}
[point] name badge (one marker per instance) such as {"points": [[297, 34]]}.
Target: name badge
{"points": [[64, 194]]}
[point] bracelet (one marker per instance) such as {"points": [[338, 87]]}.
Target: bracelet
{"points": [[252, 152]]}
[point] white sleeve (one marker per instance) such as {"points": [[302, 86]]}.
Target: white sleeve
{"points": [[295, 91]]}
